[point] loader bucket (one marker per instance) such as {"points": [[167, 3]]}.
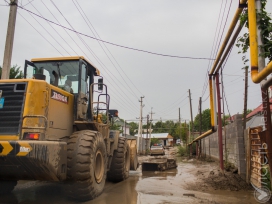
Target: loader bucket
{"points": [[160, 163], [133, 154]]}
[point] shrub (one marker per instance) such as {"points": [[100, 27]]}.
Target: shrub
{"points": [[182, 150]]}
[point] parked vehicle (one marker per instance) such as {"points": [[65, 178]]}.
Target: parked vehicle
{"points": [[157, 150]]}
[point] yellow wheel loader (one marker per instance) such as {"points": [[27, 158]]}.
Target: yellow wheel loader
{"points": [[55, 126]]}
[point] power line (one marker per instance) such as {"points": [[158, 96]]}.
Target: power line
{"points": [[224, 24], [90, 50], [114, 44], [60, 52], [211, 54], [102, 46], [226, 99], [47, 31], [40, 33], [30, 2]]}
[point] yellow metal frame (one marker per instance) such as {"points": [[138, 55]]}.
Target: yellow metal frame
{"points": [[211, 101], [229, 33], [65, 59], [256, 76], [8, 137]]}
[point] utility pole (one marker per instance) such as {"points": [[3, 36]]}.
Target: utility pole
{"points": [[190, 100], [125, 128], [139, 142], [179, 126], [245, 99], [9, 39], [146, 139], [219, 129], [150, 127], [200, 123], [200, 115]]}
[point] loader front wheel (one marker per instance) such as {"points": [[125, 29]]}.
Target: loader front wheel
{"points": [[120, 165], [86, 165], [7, 186]]}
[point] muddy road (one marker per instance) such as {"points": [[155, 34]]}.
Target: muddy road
{"points": [[190, 182]]}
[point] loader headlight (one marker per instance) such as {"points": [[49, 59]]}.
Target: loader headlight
{"points": [[31, 136]]}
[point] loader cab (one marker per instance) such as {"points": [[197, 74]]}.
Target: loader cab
{"points": [[75, 72]]}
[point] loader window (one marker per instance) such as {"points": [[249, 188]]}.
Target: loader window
{"points": [[64, 69]]}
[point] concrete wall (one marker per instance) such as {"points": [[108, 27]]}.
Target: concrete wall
{"points": [[233, 145]]}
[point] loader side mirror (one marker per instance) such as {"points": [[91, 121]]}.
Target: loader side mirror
{"points": [[100, 84]]}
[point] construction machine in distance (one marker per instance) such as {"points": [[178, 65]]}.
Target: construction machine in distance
{"points": [[49, 132]]}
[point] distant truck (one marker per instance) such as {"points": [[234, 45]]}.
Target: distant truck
{"points": [[178, 142], [55, 126]]}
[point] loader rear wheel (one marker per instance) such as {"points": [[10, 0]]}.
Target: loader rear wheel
{"points": [[7, 186], [120, 165], [86, 165]]}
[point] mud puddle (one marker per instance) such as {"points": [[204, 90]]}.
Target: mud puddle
{"points": [[185, 184], [178, 185]]}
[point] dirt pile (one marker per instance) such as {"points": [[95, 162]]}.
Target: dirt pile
{"points": [[213, 179]]}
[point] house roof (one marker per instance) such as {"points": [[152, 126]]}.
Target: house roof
{"points": [[158, 135], [258, 110], [255, 121]]}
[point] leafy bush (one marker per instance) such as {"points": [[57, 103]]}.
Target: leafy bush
{"points": [[182, 150]]}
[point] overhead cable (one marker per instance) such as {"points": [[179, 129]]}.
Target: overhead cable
{"points": [[114, 44]]}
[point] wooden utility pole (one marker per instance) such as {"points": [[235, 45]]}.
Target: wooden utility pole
{"points": [[200, 123], [219, 129], [139, 138], [150, 126], [245, 97], [9, 39], [192, 122], [179, 125], [200, 116]]}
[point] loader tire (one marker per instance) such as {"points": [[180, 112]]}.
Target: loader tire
{"points": [[7, 186], [86, 165], [120, 165]]}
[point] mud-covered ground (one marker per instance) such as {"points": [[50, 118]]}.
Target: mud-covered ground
{"points": [[210, 177], [192, 181]]}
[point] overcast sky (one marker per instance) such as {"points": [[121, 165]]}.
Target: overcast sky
{"points": [[178, 27]]}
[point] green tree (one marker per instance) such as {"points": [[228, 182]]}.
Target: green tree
{"points": [[15, 72], [181, 132], [115, 127], [158, 127], [247, 112], [154, 141], [265, 25], [205, 119], [133, 127], [224, 120]]}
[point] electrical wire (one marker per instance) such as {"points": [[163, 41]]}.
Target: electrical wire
{"points": [[224, 26], [94, 55], [48, 31], [40, 33], [56, 48], [82, 11], [117, 45], [211, 54], [30, 2]]}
